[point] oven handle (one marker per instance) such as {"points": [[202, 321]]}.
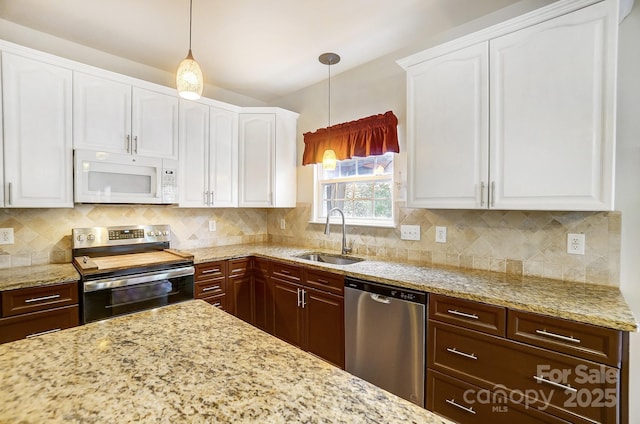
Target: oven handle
{"points": [[130, 280]]}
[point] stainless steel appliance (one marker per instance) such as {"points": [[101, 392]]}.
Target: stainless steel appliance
{"points": [[385, 337], [126, 269], [102, 177]]}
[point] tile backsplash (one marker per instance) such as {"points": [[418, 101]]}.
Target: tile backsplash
{"points": [[44, 235], [514, 242], [531, 243]]}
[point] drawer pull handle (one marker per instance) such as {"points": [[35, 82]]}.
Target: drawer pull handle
{"points": [[462, 314], [237, 270], [206, 289], [553, 383], [42, 333], [321, 281], [558, 336], [466, 355], [217, 304], [464, 408], [39, 299], [284, 271], [210, 271]]}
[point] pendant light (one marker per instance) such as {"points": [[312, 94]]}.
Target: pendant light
{"points": [[329, 157], [189, 81]]}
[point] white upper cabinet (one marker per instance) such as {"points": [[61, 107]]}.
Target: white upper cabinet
{"points": [[521, 116], [101, 114], [447, 122], [37, 120], [552, 113], [208, 156], [154, 124], [115, 117], [267, 158]]}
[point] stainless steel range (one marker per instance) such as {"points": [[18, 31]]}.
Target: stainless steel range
{"points": [[127, 269]]}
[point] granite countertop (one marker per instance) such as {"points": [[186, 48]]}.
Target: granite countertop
{"points": [[188, 362], [588, 303], [37, 275]]}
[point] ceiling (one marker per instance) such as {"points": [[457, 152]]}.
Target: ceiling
{"points": [[263, 49]]}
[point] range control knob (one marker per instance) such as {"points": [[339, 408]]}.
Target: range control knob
{"points": [[158, 233], [91, 237], [165, 233], [150, 233], [80, 237]]}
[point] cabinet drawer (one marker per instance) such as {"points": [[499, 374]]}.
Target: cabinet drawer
{"points": [[576, 390], [286, 272], [469, 314], [325, 281], [238, 267], [38, 323], [586, 341], [219, 301], [469, 404], [210, 270], [209, 288], [21, 301]]}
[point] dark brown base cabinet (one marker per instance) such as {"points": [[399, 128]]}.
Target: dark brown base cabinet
{"points": [[34, 311], [491, 364], [304, 307]]}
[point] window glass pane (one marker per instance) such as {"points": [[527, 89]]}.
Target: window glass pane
{"points": [[363, 190], [366, 165], [348, 208], [382, 189], [363, 208], [382, 209], [345, 190], [347, 168], [328, 191], [329, 174]]}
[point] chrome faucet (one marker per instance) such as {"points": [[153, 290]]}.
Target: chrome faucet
{"points": [[327, 230]]}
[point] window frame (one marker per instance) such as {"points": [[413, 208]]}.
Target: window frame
{"points": [[318, 182]]}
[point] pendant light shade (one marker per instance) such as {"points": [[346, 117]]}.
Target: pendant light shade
{"points": [[329, 157], [329, 160], [189, 80]]}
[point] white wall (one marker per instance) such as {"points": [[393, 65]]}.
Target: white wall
{"points": [[628, 184]]}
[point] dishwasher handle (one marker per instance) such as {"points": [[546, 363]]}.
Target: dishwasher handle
{"points": [[380, 299]]}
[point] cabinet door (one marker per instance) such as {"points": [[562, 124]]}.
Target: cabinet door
{"points": [[101, 114], [552, 113], [155, 124], [37, 133], [257, 146], [194, 154], [324, 325], [447, 130], [240, 289], [287, 316], [223, 158]]}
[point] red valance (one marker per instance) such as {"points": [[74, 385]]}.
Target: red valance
{"points": [[374, 135]]}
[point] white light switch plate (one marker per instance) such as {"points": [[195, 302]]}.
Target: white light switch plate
{"points": [[410, 232], [441, 234], [6, 236], [575, 244], [212, 226]]}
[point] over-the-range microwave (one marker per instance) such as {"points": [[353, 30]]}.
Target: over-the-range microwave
{"points": [[103, 177]]}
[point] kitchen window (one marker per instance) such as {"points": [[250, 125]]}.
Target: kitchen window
{"points": [[361, 187]]}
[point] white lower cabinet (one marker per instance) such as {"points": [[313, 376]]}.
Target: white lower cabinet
{"points": [[524, 120], [38, 165], [267, 157], [208, 156]]}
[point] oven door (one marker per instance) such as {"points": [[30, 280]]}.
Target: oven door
{"points": [[114, 296]]}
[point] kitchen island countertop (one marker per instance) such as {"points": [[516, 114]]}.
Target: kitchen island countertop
{"points": [[188, 362]]}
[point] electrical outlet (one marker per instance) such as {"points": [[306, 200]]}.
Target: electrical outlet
{"points": [[575, 244], [283, 224], [441, 234], [6, 236], [212, 226], [410, 232]]}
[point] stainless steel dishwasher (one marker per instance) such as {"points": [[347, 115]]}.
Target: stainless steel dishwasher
{"points": [[385, 337]]}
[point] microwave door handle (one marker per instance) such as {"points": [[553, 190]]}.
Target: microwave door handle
{"points": [[159, 184]]}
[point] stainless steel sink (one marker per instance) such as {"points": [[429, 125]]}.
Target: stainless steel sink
{"points": [[329, 258]]}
